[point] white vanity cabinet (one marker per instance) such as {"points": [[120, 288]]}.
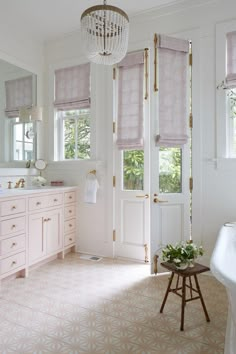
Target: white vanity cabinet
{"points": [[12, 236], [35, 226], [45, 234]]}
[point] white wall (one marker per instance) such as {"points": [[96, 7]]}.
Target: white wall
{"points": [[94, 221], [214, 195]]}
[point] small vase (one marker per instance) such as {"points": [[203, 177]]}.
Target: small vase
{"points": [[191, 263], [181, 266]]}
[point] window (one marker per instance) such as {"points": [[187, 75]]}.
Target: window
{"points": [[133, 170], [23, 141], [72, 103], [170, 170], [231, 117], [75, 133], [226, 89]]}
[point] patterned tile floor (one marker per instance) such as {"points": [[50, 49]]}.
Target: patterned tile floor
{"points": [[77, 306]]}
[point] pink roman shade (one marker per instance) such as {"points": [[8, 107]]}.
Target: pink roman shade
{"points": [[19, 94], [173, 74], [72, 87], [231, 59], [130, 102]]}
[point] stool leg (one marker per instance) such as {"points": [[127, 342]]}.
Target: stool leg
{"points": [[201, 298], [167, 292], [183, 303]]}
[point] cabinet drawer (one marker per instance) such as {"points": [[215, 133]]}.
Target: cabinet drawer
{"points": [[11, 207], [12, 244], [70, 197], [38, 202], [10, 263], [70, 225], [12, 226], [69, 211], [54, 199], [69, 239]]}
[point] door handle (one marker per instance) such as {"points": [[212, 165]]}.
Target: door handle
{"points": [[146, 196], [156, 200]]}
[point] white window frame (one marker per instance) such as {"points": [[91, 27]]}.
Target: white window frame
{"points": [[224, 129], [53, 124], [60, 119]]}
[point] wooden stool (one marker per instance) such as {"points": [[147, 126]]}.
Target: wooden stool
{"points": [[187, 273]]}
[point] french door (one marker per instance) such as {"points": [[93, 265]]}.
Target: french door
{"points": [[152, 197], [132, 200]]}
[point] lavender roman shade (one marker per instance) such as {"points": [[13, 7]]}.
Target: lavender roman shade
{"points": [[173, 74], [19, 94], [130, 102], [72, 87], [231, 59]]}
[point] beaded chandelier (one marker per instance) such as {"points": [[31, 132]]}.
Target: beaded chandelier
{"points": [[105, 31]]}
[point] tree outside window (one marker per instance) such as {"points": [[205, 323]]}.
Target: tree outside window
{"points": [[76, 134]]}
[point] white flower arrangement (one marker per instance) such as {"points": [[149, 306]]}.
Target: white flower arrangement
{"points": [[182, 253], [39, 181]]}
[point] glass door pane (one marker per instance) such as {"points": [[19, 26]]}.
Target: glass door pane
{"points": [[170, 170], [133, 170]]}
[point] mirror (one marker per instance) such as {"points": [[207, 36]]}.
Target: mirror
{"points": [[40, 164], [16, 141]]}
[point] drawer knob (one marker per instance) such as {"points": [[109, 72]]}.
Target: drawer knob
{"points": [[14, 244], [13, 207], [70, 225], [45, 220], [14, 263], [70, 239], [70, 197], [13, 226], [55, 200], [49, 219], [38, 203], [70, 211]]}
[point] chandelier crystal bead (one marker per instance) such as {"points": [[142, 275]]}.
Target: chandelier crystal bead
{"points": [[105, 31]]}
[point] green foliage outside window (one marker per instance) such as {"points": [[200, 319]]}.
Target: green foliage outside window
{"points": [[77, 135], [133, 164], [170, 179]]}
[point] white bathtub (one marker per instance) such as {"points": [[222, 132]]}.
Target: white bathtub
{"points": [[223, 266]]}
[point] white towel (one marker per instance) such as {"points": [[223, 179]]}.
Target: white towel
{"points": [[91, 187]]}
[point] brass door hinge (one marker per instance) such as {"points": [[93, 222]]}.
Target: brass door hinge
{"points": [[191, 184], [114, 73], [114, 181], [114, 235], [190, 120], [190, 59], [114, 127]]}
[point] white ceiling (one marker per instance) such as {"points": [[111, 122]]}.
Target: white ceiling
{"points": [[45, 20]]}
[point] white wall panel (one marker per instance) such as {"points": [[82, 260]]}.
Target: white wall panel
{"points": [[133, 231], [171, 223]]}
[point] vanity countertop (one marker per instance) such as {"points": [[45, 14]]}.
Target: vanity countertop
{"points": [[6, 193]]}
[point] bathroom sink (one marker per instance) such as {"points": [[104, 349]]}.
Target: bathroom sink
{"points": [[25, 189], [223, 266]]}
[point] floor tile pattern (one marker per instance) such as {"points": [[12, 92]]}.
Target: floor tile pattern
{"points": [[75, 306]]}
